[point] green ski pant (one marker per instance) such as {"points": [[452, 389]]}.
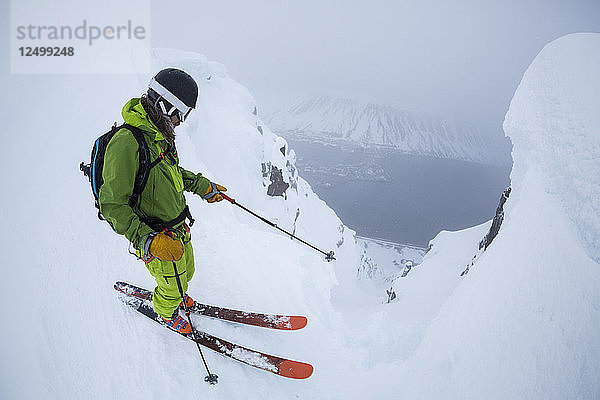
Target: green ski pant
{"points": [[166, 297]]}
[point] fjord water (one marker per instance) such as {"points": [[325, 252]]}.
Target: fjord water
{"points": [[382, 193]]}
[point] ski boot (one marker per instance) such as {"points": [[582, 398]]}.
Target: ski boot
{"points": [[178, 324], [189, 302]]}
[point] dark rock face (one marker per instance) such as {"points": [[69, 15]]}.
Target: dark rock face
{"points": [[278, 186], [496, 223]]}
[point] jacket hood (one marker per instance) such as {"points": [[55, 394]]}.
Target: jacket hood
{"points": [[134, 114]]}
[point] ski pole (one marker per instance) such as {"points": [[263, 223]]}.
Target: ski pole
{"points": [[328, 256], [210, 378]]}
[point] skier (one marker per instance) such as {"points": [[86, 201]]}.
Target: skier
{"points": [[156, 224]]}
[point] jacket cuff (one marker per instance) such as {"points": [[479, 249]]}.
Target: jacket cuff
{"points": [[146, 249]]}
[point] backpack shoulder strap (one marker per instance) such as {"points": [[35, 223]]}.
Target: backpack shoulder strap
{"points": [[144, 163]]}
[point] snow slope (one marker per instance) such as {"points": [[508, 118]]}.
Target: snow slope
{"points": [[69, 336], [345, 121], [522, 324]]}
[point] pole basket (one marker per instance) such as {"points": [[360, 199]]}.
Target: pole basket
{"points": [[212, 379]]}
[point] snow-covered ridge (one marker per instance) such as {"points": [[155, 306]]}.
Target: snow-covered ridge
{"points": [[523, 324], [340, 120], [559, 134]]}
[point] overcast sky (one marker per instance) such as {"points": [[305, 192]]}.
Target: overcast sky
{"points": [[456, 59]]}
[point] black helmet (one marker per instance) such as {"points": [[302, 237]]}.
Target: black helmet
{"points": [[173, 90]]}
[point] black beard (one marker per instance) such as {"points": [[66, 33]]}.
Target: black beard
{"points": [[162, 122]]}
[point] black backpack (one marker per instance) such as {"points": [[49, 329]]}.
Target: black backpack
{"points": [[93, 170]]}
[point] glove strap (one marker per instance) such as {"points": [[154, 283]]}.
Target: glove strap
{"points": [[214, 191]]}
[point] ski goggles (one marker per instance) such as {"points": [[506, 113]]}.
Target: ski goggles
{"points": [[177, 107]]}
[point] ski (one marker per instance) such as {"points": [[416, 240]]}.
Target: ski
{"points": [[273, 321], [267, 362]]}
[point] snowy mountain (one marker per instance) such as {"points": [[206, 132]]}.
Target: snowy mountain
{"points": [[523, 323], [346, 121]]}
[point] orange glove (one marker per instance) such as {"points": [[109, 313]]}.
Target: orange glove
{"points": [[212, 194], [164, 247]]}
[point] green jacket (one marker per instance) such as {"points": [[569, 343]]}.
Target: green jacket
{"points": [[163, 194]]}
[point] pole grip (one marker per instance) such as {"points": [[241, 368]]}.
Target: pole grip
{"points": [[229, 199]]}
